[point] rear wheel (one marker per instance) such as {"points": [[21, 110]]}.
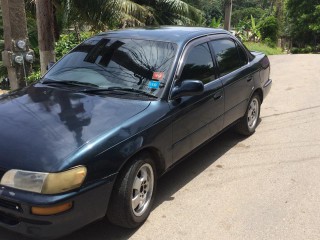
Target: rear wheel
{"points": [[133, 193], [249, 122]]}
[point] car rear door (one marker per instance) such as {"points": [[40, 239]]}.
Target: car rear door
{"points": [[235, 75], [197, 118]]}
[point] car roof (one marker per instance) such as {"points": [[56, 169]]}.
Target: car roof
{"points": [[176, 34]]}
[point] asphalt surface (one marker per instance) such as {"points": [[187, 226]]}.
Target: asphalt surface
{"points": [[266, 186]]}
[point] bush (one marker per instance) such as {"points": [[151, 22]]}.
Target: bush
{"points": [[269, 28], [68, 41], [295, 50], [33, 77], [269, 43], [216, 23], [307, 49]]}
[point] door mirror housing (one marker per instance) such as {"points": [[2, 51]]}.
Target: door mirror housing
{"points": [[187, 88]]}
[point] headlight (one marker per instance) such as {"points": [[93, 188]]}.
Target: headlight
{"points": [[45, 183]]}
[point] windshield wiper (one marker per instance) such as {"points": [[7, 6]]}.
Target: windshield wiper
{"points": [[70, 83], [119, 89]]}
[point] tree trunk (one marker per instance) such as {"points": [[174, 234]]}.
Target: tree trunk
{"points": [[15, 29], [280, 16], [227, 14], [45, 24]]}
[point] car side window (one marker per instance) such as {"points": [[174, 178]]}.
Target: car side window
{"points": [[243, 56], [227, 55], [199, 64]]}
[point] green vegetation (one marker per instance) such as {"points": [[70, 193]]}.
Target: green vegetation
{"points": [[65, 44], [68, 41], [216, 23], [304, 22], [34, 76], [259, 23], [3, 70], [307, 49], [261, 47], [100, 15], [268, 28]]}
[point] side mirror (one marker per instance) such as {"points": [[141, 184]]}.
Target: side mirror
{"points": [[187, 88]]}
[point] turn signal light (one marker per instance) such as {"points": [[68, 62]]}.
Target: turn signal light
{"points": [[46, 211]]}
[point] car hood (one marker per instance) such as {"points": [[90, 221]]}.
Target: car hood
{"points": [[41, 126]]}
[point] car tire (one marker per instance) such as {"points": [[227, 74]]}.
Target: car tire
{"points": [[133, 194], [249, 122]]}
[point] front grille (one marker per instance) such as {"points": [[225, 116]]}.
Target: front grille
{"points": [[6, 203], [8, 219], [10, 205]]}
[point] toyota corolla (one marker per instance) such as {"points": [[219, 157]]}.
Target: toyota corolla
{"points": [[92, 137]]}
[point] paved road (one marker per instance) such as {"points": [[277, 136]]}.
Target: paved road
{"points": [[266, 186]]}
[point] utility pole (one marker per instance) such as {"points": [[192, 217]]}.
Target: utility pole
{"points": [[227, 14], [17, 56], [45, 24]]}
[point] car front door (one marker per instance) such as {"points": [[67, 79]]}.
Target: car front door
{"points": [[197, 118], [235, 75]]}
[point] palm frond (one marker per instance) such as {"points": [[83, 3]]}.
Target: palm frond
{"points": [[134, 11], [186, 13], [99, 14]]}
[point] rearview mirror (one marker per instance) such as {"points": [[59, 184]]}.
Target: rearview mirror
{"points": [[187, 88]]}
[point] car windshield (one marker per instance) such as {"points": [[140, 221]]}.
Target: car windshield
{"points": [[109, 63]]}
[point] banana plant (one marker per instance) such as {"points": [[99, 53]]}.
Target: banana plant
{"points": [[255, 32], [216, 23]]}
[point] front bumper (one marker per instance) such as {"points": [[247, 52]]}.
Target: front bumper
{"points": [[89, 204]]}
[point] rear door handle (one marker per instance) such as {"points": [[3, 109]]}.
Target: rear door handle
{"points": [[217, 96], [249, 79]]}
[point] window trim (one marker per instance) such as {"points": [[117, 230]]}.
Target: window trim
{"points": [[212, 73], [185, 51], [198, 40]]}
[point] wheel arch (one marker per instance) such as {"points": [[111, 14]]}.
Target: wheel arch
{"points": [[118, 200], [259, 92], [154, 153]]}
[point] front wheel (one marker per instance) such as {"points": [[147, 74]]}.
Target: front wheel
{"points": [[249, 122], [133, 193]]}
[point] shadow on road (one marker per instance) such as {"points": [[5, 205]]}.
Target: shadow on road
{"points": [[168, 185], [194, 165]]}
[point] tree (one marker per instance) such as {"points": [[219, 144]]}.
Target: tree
{"points": [[3, 69], [227, 14], [211, 9], [108, 14], [53, 16], [45, 25], [17, 56], [304, 22], [269, 28], [246, 13]]}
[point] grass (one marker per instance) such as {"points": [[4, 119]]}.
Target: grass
{"points": [[260, 47]]}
